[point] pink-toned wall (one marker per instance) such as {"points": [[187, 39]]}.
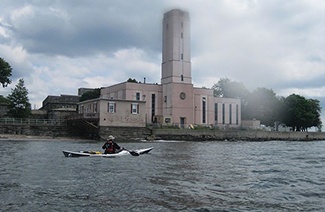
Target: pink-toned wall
{"points": [[128, 90], [121, 117], [176, 107], [199, 93]]}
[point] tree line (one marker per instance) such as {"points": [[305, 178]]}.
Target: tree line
{"points": [[263, 104], [17, 101]]}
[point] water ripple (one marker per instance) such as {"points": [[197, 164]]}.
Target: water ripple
{"points": [[176, 176]]}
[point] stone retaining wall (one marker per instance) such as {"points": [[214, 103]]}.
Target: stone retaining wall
{"points": [[31, 130], [251, 135], [140, 133], [125, 133]]}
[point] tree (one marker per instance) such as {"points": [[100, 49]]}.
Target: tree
{"points": [[19, 106], [302, 113], [313, 114], [263, 105], [132, 80], [90, 95], [230, 89], [5, 73]]}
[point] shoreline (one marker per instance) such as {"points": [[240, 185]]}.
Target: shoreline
{"points": [[186, 135]]}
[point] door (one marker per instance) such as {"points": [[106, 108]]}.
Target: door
{"points": [[182, 122]]}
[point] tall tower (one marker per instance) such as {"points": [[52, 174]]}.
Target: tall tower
{"points": [[176, 79], [176, 53]]}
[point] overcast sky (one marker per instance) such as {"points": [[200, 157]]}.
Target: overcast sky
{"points": [[60, 46]]}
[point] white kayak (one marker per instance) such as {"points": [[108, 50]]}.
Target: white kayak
{"points": [[100, 154]]}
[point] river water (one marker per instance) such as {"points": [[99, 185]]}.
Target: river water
{"points": [[175, 176]]}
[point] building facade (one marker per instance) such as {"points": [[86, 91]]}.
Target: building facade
{"points": [[173, 102], [57, 107], [60, 102]]}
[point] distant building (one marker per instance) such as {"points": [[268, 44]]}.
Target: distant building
{"points": [[59, 102], [3, 109], [251, 124], [84, 90], [173, 102], [59, 107], [4, 103]]}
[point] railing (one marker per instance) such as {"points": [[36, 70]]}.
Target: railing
{"points": [[84, 116], [17, 121]]}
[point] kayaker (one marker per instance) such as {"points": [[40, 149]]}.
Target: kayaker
{"points": [[110, 146]]}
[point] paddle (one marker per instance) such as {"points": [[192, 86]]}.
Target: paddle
{"points": [[133, 153]]}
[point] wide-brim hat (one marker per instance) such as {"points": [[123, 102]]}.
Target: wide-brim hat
{"points": [[111, 137]]}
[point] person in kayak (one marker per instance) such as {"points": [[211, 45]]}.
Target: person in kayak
{"points": [[110, 146]]}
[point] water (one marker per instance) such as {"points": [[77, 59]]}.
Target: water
{"points": [[175, 176]]}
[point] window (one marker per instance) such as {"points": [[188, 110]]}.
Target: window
{"points": [[216, 112], [135, 108], [95, 107], [181, 34], [203, 110], [181, 56], [236, 114], [182, 77], [111, 107], [223, 113], [230, 114], [137, 96], [153, 106]]}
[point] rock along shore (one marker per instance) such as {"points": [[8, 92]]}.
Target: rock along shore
{"points": [[235, 135]]}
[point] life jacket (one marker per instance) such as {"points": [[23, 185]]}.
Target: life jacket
{"points": [[109, 147]]}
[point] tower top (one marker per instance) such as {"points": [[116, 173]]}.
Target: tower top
{"points": [[176, 12], [176, 54]]}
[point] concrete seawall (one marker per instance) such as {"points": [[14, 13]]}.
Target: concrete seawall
{"points": [[31, 130], [127, 134], [236, 135]]}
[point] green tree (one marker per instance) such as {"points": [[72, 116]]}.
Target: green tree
{"points": [[302, 113], [132, 80], [19, 106], [5, 73], [90, 95], [263, 104], [313, 118], [229, 89]]}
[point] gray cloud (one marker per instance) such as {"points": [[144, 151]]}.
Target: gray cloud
{"points": [[84, 27]]}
